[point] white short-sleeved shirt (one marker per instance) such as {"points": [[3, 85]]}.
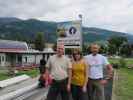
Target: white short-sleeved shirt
{"points": [[96, 64], [59, 66]]}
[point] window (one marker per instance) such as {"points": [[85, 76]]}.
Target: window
{"points": [[19, 58], [26, 59], [0, 59], [3, 58]]}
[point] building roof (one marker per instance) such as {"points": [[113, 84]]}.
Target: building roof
{"points": [[9, 45]]}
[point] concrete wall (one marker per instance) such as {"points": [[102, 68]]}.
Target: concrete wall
{"points": [[26, 59], [2, 60]]}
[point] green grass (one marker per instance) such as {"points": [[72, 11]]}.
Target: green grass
{"points": [[128, 61], [4, 75], [124, 84], [113, 60], [32, 73]]}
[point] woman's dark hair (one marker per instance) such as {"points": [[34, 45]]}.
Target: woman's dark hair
{"points": [[76, 51]]}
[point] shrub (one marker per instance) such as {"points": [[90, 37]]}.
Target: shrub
{"points": [[122, 62]]}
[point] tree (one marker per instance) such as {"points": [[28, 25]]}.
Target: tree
{"points": [[111, 49], [85, 49], [39, 41], [115, 43], [126, 50], [103, 49]]}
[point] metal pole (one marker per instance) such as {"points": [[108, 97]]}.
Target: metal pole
{"points": [[81, 18]]}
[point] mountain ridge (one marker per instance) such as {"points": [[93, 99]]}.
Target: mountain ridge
{"points": [[18, 29]]}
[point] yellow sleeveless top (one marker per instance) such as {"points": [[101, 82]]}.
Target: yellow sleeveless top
{"points": [[78, 73]]}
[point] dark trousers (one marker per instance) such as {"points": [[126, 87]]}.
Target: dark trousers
{"points": [[77, 93], [42, 69], [95, 90], [58, 87]]}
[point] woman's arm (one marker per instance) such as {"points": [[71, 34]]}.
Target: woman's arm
{"points": [[86, 73], [86, 76], [69, 76]]}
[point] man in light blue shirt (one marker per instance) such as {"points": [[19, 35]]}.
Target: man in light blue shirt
{"points": [[96, 82]]}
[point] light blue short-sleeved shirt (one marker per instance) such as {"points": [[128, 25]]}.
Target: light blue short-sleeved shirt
{"points": [[96, 64]]}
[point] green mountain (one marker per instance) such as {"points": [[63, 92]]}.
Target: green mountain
{"points": [[96, 34], [25, 30]]}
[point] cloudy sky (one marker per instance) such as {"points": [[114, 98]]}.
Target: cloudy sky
{"points": [[109, 14]]}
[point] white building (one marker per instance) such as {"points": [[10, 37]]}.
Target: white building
{"points": [[18, 53]]}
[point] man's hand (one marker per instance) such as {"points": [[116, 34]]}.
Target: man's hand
{"points": [[110, 71], [103, 82], [84, 89], [68, 87]]}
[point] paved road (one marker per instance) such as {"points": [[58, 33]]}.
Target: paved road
{"points": [[40, 94], [17, 86], [37, 94]]}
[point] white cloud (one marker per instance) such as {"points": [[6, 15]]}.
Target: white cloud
{"points": [[109, 14]]}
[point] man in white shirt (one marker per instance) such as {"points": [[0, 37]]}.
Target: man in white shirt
{"points": [[59, 66], [96, 82]]}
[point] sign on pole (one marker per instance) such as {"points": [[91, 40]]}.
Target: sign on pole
{"points": [[69, 33]]}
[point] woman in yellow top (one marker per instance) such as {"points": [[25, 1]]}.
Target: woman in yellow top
{"points": [[79, 76]]}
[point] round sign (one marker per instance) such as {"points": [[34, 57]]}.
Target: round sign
{"points": [[72, 30]]}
